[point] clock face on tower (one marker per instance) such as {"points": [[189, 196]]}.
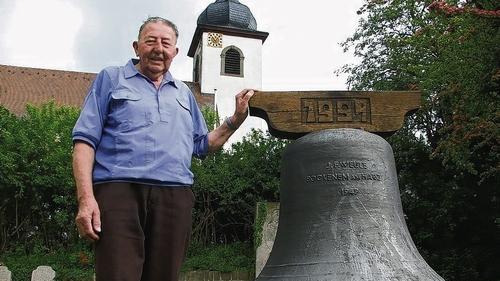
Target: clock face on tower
{"points": [[215, 40]]}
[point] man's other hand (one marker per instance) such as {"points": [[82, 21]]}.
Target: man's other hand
{"points": [[88, 219]]}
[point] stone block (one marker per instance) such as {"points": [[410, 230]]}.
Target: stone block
{"points": [[5, 274], [43, 273]]}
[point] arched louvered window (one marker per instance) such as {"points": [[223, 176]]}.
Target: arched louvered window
{"points": [[232, 62]]}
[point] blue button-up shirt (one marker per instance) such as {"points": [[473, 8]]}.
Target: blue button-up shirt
{"points": [[141, 133]]}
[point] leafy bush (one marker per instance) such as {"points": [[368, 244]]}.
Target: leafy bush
{"points": [[229, 184], [36, 185]]}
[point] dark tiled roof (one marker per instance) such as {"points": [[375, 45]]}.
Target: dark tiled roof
{"points": [[228, 13], [22, 85]]}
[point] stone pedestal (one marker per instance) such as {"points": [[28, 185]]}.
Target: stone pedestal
{"points": [[269, 214]]}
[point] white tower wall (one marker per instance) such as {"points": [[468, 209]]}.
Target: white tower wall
{"points": [[226, 87]]}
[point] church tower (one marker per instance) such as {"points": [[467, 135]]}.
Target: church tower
{"points": [[227, 57]]}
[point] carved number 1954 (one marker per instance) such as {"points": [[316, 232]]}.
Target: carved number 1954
{"points": [[336, 110]]}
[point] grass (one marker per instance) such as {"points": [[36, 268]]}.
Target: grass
{"points": [[224, 258], [70, 264], [77, 263]]}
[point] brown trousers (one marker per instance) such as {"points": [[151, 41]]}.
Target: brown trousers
{"points": [[145, 231]]}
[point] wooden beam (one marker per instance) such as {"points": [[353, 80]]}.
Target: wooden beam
{"points": [[293, 114]]}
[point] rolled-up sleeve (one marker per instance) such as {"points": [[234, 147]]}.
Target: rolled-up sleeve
{"points": [[201, 146], [88, 127]]}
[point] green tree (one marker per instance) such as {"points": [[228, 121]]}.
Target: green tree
{"points": [[8, 192], [448, 154], [37, 188]]}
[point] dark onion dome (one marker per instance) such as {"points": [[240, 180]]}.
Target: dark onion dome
{"points": [[228, 13], [228, 17]]}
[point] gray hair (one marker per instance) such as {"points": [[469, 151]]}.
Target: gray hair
{"points": [[161, 20]]}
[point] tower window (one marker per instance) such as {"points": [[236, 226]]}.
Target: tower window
{"points": [[232, 62]]}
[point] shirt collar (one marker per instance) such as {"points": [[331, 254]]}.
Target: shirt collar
{"points": [[131, 71]]}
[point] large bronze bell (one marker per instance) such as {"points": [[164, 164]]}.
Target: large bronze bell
{"points": [[340, 213]]}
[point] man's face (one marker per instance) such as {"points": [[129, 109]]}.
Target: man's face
{"points": [[156, 49]]}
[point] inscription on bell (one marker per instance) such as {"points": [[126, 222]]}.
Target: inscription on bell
{"points": [[342, 177], [349, 191], [346, 170], [335, 110], [346, 164]]}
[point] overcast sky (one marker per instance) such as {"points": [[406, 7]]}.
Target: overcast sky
{"points": [[302, 51]]}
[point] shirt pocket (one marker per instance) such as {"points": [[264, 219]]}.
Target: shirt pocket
{"points": [[184, 106], [183, 116], [183, 110], [128, 111]]}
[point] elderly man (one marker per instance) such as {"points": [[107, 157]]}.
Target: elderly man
{"points": [[133, 143]]}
